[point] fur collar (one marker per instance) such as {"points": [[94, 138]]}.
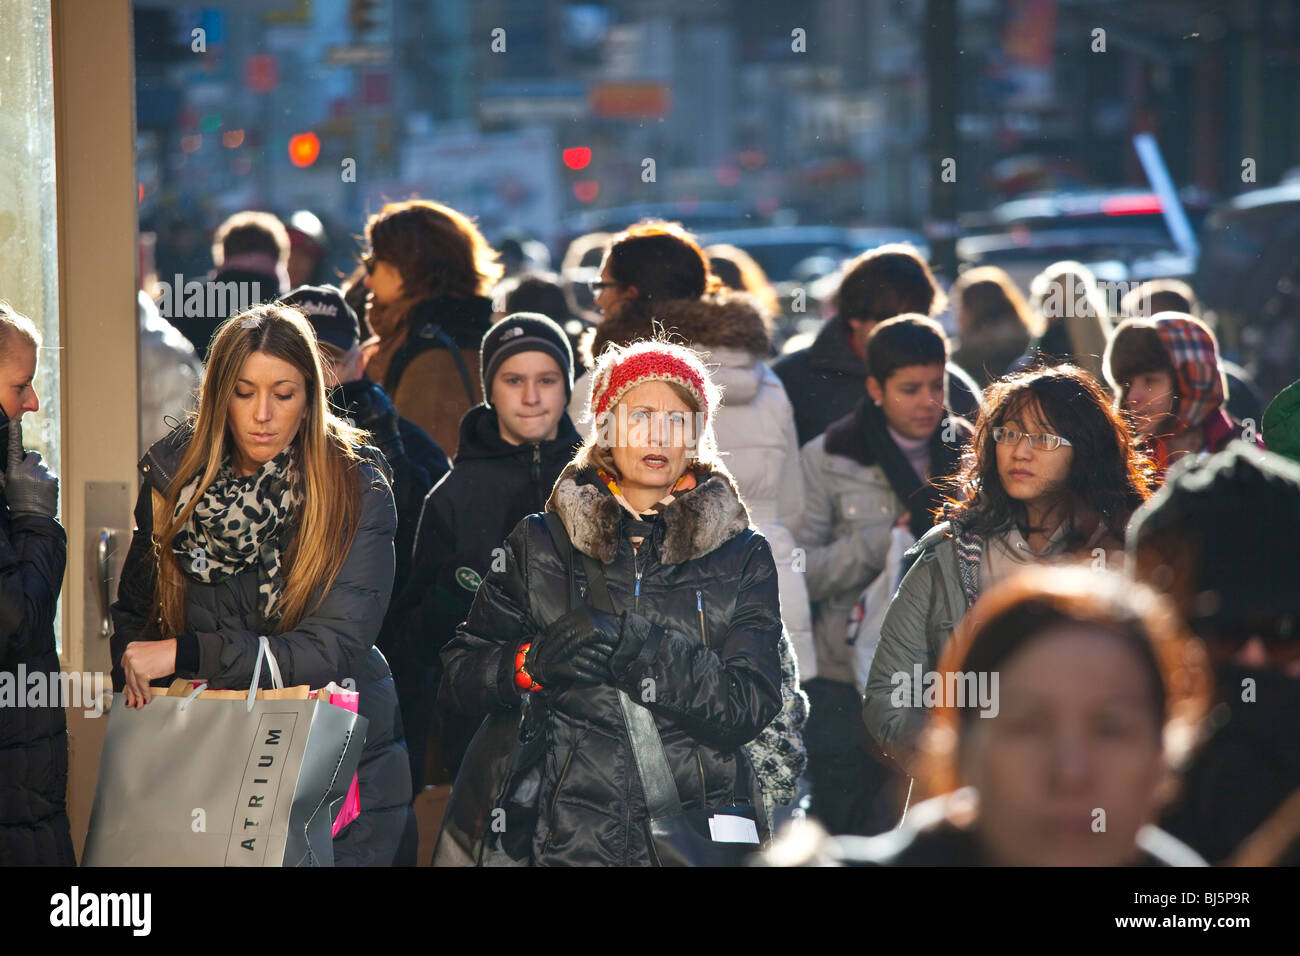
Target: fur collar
{"points": [[727, 319], [696, 523]]}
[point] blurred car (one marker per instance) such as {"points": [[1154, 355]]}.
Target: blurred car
{"points": [[806, 253], [695, 215], [1120, 234], [1248, 276]]}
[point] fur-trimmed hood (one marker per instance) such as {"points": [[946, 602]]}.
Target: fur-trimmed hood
{"points": [[698, 521], [727, 319]]}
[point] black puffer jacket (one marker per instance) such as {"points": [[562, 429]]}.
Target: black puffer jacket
{"points": [[332, 643], [466, 518], [705, 629], [33, 740]]}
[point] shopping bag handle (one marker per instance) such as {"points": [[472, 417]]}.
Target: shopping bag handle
{"points": [[264, 651]]}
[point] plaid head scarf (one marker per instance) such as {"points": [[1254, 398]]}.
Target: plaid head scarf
{"points": [[1195, 358]]}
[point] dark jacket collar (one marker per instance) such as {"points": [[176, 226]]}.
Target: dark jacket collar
{"points": [[850, 437], [368, 405], [161, 461], [465, 320], [480, 438], [832, 352], [697, 523]]}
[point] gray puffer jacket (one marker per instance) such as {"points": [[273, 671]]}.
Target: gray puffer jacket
{"points": [[334, 642], [935, 594]]}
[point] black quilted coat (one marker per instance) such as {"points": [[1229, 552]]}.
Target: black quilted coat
{"points": [[33, 740], [705, 629]]}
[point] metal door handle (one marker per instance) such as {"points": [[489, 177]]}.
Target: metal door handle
{"points": [[106, 541]]}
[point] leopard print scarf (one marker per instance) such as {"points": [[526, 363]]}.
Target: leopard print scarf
{"points": [[241, 523]]}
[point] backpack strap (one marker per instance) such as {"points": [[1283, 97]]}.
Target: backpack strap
{"points": [[657, 783], [427, 336], [560, 535]]}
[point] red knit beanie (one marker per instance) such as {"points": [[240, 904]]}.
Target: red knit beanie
{"points": [[620, 370]]}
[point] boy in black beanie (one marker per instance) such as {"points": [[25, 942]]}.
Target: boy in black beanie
{"points": [[512, 449]]}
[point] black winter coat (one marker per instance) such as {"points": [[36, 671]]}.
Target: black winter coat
{"points": [[1245, 770], [466, 518], [33, 740], [367, 404], [825, 381], [705, 629], [332, 643]]}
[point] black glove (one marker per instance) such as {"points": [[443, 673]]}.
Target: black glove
{"points": [[29, 487], [575, 648]]}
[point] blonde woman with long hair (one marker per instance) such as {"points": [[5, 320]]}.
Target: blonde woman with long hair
{"points": [[266, 514]]}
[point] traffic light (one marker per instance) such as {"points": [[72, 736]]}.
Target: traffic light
{"points": [[304, 149], [361, 15]]}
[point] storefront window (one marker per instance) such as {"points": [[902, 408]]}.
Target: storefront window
{"points": [[29, 276]]}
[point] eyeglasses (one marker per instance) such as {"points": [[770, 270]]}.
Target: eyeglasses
{"points": [[1009, 436], [596, 285], [368, 260]]}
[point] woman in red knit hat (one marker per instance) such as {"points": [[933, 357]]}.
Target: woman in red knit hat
{"points": [[690, 633]]}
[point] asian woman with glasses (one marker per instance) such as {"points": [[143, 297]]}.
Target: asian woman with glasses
{"points": [[1050, 476]]}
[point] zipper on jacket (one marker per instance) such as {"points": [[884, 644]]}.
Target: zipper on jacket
{"points": [[536, 471], [699, 606], [636, 592], [555, 796]]}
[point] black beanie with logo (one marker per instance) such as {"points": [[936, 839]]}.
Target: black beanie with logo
{"points": [[523, 332]]}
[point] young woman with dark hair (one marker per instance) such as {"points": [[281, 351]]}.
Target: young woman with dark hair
{"points": [[1050, 475]]}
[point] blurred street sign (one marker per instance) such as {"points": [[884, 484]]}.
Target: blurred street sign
{"points": [[359, 54], [300, 12], [630, 100], [533, 100]]}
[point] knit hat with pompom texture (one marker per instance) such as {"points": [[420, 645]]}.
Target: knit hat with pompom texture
{"points": [[620, 369]]}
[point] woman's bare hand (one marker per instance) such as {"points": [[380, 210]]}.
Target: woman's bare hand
{"points": [[143, 661]]}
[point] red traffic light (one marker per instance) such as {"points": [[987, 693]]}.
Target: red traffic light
{"points": [[577, 157], [304, 149]]}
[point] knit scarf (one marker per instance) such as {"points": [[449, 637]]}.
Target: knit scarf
{"points": [[685, 483], [241, 522]]}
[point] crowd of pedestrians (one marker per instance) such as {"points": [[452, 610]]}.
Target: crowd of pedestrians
{"points": [[601, 558]]}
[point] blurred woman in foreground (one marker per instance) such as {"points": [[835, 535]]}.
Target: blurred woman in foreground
{"points": [[1063, 709]]}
